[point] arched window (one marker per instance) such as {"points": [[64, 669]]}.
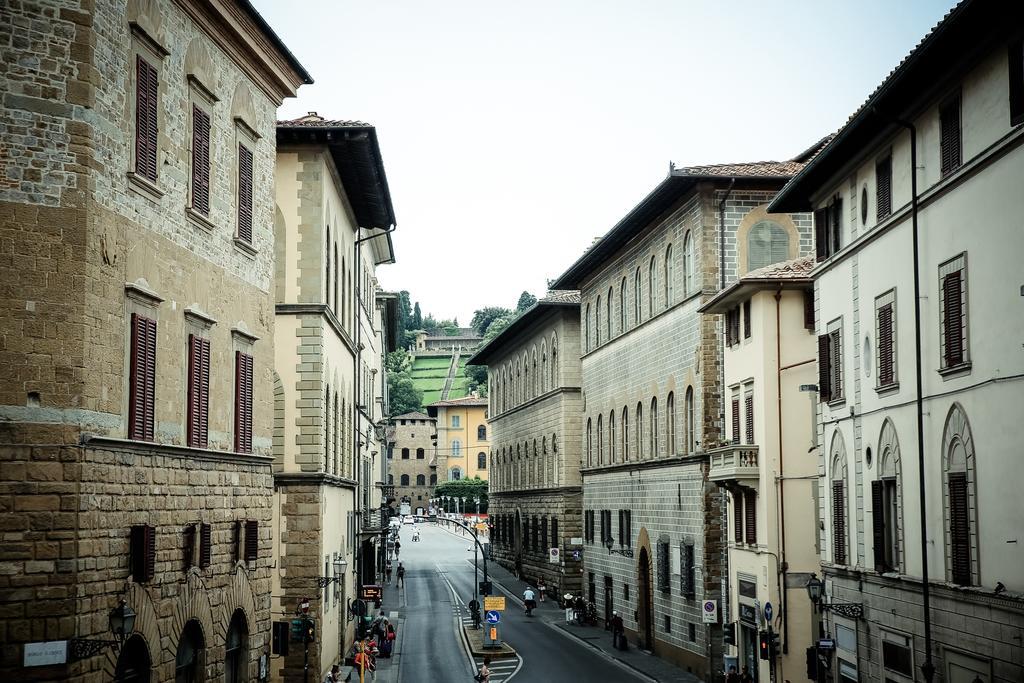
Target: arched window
{"points": [[455, 474], [654, 427], [669, 274], [639, 431], [526, 379], [554, 363], [670, 423], [611, 437], [586, 329], [404, 480], [652, 287], [600, 440], [433, 479], [134, 663], [534, 388], [959, 498], [337, 281], [767, 243], [188, 663], [421, 480], [608, 317], [481, 433], [691, 438], [543, 367], [622, 306], [481, 461], [688, 287], [886, 499], [637, 289], [456, 449], [838, 478], [590, 444], [327, 268], [625, 434], [405, 454], [420, 454], [597, 322], [236, 654]]}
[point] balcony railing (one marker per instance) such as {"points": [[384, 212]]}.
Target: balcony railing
{"points": [[734, 462]]}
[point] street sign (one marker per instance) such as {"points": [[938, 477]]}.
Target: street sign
{"points": [[371, 592], [45, 654], [494, 603], [576, 554], [768, 611], [827, 644], [553, 555], [492, 617], [576, 540], [710, 612]]}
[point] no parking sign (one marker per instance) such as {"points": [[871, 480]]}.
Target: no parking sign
{"points": [[710, 612]]}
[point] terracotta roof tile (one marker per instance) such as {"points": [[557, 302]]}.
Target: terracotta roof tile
{"points": [[464, 401], [561, 296], [795, 269], [314, 120], [414, 415], [755, 169]]}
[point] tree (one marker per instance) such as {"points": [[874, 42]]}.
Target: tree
{"points": [[465, 490], [525, 301], [404, 397], [477, 376], [417, 317], [483, 317], [398, 361], [498, 326]]}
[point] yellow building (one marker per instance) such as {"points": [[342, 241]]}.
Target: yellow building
{"points": [[463, 438]]}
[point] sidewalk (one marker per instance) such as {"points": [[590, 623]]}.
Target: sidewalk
{"points": [[652, 667], [393, 606]]}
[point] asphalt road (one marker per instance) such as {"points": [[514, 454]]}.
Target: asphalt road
{"points": [[431, 650]]}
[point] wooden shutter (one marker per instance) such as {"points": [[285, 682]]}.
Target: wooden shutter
{"points": [[689, 587], [143, 553], [748, 409], [554, 532], [663, 567], [205, 545], [146, 131], [236, 542], [198, 391], [622, 527], [189, 542], [735, 325], [746, 319], [824, 368], [252, 540], [142, 378], [200, 160], [837, 364], [809, 309], [821, 234], [244, 193], [838, 522], [949, 124], [737, 517], [878, 524], [629, 529], [750, 517], [953, 320], [883, 188], [243, 402], [959, 529], [885, 346], [735, 420], [835, 220]]}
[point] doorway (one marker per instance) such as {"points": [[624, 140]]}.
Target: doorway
{"points": [[133, 663], [609, 598], [645, 610]]}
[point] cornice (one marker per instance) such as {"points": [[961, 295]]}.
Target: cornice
{"points": [[150, 448], [659, 463], [313, 479]]}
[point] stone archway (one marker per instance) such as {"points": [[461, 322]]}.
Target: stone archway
{"points": [[644, 593], [192, 604], [146, 628]]}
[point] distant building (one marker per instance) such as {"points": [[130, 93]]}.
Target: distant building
{"points": [[411, 453], [533, 370], [765, 467], [925, 374], [466, 339], [463, 438]]}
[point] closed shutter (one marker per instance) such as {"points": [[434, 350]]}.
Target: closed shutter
{"points": [[189, 543], [244, 193], [949, 124], [736, 325], [838, 522], [824, 369], [878, 524], [883, 188], [885, 346], [953, 319], [554, 532], [236, 542], [737, 516], [746, 319], [809, 309], [243, 402], [198, 391], [664, 585], [837, 364], [205, 545], [143, 553], [959, 529], [835, 220], [200, 160], [750, 517], [544, 534], [821, 234], [736, 420], [629, 529], [689, 587], [146, 131], [252, 540], [748, 409], [622, 526], [142, 378]]}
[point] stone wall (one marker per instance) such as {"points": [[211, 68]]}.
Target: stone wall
{"points": [[414, 434]]}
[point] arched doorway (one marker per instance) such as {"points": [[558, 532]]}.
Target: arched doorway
{"points": [[645, 610], [189, 661], [134, 663], [517, 543], [236, 654]]}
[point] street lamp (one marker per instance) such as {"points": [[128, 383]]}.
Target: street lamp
{"points": [[851, 610], [122, 625], [340, 563]]}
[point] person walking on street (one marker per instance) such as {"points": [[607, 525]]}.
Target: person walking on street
{"points": [[485, 671], [387, 571], [745, 677], [618, 628], [541, 589], [529, 601], [400, 572], [581, 607], [398, 547]]}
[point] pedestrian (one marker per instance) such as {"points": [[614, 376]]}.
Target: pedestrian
{"points": [[400, 572], [541, 589], [732, 676], [334, 676], [567, 605], [745, 677], [387, 571], [484, 676], [581, 606], [364, 662], [398, 547], [618, 628]]}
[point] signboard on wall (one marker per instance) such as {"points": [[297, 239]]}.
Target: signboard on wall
{"points": [[709, 611], [45, 654]]}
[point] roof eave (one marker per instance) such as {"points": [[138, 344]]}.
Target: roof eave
{"points": [[534, 312], [740, 290]]}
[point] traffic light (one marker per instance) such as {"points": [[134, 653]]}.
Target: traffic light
{"points": [[729, 633], [764, 645], [309, 631], [279, 645]]}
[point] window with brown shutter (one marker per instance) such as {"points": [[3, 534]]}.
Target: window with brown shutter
{"points": [[188, 537], [838, 522], [197, 424], [146, 131], [821, 251], [878, 522], [959, 529], [252, 540], [952, 319], [142, 378], [200, 161], [737, 516], [205, 545], [554, 532], [664, 585], [886, 347], [746, 319], [736, 420], [688, 578], [236, 542], [809, 309], [748, 414], [243, 402], [750, 517], [828, 229], [836, 354], [883, 188], [1016, 72], [949, 131], [824, 368], [244, 193], [835, 224], [143, 553]]}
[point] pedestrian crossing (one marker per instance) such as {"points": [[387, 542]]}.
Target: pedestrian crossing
{"points": [[501, 669]]}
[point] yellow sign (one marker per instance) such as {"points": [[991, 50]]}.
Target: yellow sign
{"points": [[494, 631], [494, 604], [481, 527]]}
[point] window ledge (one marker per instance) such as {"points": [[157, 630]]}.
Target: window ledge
{"points": [[144, 186], [199, 219], [837, 402], [244, 247], [887, 389], [955, 371]]}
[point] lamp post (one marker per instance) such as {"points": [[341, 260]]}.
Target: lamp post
{"points": [[340, 563], [851, 610], [122, 625]]}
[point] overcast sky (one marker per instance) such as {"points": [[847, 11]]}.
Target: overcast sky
{"points": [[515, 132]]}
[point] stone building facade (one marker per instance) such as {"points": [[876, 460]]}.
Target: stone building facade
{"points": [[136, 371], [410, 454], [920, 382], [331, 332], [652, 397], [535, 498]]}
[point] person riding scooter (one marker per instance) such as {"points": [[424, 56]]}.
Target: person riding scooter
{"points": [[530, 601]]}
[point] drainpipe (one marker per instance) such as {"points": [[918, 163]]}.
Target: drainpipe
{"points": [[721, 234], [783, 565]]}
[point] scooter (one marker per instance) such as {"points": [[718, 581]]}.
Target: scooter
{"points": [[530, 604]]}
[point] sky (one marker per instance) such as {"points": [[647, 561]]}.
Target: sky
{"points": [[515, 133]]}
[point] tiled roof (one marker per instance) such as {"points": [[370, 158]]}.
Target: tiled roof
{"points": [[755, 169], [414, 415], [314, 120], [561, 296], [795, 269], [792, 274], [464, 401]]}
